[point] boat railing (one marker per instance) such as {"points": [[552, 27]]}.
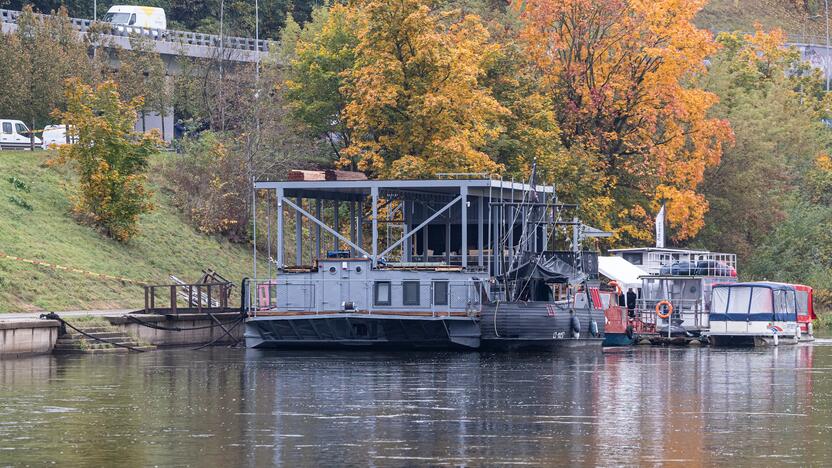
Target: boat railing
{"points": [[691, 263], [296, 296], [691, 312]]}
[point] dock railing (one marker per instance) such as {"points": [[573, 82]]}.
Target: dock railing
{"points": [[198, 298], [296, 296]]}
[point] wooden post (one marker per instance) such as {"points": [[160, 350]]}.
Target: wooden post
{"points": [[146, 300], [153, 298], [173, 299], [190, 296]]}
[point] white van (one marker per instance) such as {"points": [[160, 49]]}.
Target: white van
{"points": [[54, 135], [14, 134], [137, 16]]}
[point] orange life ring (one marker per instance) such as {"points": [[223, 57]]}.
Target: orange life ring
{"points": [[659, 309]]}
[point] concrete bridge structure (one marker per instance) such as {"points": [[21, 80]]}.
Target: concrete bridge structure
{"points": [[171, 45]]}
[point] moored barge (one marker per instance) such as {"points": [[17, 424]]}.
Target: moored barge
{"points": [[453, 263]]}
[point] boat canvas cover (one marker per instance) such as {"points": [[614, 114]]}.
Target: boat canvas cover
{"points": [[623, 272], [753, 302], [550, 270]]}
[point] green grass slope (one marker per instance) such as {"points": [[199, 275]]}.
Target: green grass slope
{"points": [[166, 245], [741, 15]]}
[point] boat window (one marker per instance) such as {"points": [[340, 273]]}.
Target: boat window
{"points": [[634, 258], [788, 298], [132, 19], [761, 301], [21, 129], [803, 302], [381, 293], [7, 127], [440, 293], [738, 300], [720, 300], [410, 292]]}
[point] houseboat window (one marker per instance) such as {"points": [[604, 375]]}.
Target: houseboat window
{"points": [[440, 293], [738, 300], [761, 301], [382, 293], [634, 258], [7, 127], [410, 292]]}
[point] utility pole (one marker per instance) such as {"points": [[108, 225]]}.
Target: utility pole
{"points": [[826, 68]]}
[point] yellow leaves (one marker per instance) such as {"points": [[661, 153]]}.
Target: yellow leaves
{"points": [[619, 74], [110, 159], [685, 209], [415, 101]]}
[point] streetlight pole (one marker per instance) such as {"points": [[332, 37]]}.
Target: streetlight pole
{"points": [[826, 68]]}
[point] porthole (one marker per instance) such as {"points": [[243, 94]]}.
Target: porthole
{"points": [[358, 269], [332, 270]]}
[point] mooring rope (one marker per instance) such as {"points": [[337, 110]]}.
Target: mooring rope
{"points": [[54, 316], [227, 332], [176, 329]]}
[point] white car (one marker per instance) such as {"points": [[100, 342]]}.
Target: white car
{"points": [[14, 134], [54, 135]]}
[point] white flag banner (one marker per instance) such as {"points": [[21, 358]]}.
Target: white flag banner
{"points": [[660, 228]]}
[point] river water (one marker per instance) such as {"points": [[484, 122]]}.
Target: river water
{"points": [[225, 407]]}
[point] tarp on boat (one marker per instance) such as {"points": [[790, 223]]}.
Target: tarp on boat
{"points": [[548, 270], [625, 273]]}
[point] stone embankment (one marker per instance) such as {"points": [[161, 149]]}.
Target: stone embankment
{"points": [[26, 335]]}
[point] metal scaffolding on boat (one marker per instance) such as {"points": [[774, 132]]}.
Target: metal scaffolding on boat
{"points": [[475, 224]]}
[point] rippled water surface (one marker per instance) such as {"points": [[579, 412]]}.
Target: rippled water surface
{"points": [[235, 407]]}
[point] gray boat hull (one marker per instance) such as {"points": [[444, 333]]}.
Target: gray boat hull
{"points": [[539, 326], [350, 331]]}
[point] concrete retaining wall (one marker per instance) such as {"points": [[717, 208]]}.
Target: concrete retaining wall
{"points": [[27, 337], [180, 338]]}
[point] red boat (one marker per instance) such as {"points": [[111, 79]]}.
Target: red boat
{"points": [[805, 311]]}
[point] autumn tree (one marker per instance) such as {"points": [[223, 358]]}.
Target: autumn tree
{"points": [[111, 160], [619, 74], [417, 105], [319, 56], [775, 105]]}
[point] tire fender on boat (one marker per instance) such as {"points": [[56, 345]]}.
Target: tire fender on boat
{"points": [[629, 332], [575, 324]]}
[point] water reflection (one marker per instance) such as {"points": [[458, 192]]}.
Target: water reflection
{"points": [[233, 407]]}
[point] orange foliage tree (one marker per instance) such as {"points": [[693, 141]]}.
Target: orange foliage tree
{"points": [[619, 73], [417, 105]]}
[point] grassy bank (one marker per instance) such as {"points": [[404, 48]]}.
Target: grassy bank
{"points": [[37, 224], [824, 321]]}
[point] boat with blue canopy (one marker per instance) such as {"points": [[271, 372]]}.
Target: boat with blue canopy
{"points": [[758, 313]]}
